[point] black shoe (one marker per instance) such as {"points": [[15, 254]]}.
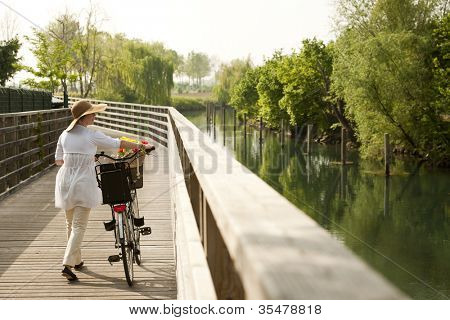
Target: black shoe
{"points": [[79, 266], [68, 274]]}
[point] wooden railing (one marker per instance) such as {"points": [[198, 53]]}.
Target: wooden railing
{"points": [[136, 119], [256, 243], [27, 145], [193, 276]]}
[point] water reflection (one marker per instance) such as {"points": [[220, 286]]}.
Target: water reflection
{"points": [[398, 225]]}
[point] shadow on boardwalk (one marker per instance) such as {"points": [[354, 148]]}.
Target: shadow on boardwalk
{"points": [[33, 240]]}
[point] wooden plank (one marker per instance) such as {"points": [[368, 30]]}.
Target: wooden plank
{"points": [[33, 240]]}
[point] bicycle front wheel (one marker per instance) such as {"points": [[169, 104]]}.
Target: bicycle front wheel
{"points": [[137, 233], [127, 248]]}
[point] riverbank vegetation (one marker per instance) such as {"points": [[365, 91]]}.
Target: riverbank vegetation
{"points": [[387, 72], [73, 55]]}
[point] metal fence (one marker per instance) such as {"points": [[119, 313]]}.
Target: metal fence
{"points": [[20, 100]]}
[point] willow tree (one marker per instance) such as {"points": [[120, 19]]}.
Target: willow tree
{"points": [[227, 76], [135, 71], [383, 70]]}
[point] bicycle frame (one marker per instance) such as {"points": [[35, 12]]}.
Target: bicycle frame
{"points": [[127, 229]]}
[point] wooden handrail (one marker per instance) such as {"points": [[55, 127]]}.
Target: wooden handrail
{"points": [[135, 124], [258, 245], [27, 145]]}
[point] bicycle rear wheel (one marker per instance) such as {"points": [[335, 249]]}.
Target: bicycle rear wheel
{"points": [[127, 248], [137, 233]]}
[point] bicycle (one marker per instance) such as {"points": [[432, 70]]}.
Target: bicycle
{"points": [[118, 182]]}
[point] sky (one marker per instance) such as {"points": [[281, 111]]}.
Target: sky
{"points": [[224, 30]]}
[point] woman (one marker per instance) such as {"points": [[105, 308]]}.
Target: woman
{"points": [[76, 189]]}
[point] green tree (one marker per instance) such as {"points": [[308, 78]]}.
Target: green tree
{"points": [[270, 91], [197, 66], [54, 50], [135, 71], [87, 53], [306, 77], [441, 64], [244, 95], [9, 60], [383, 70], [227, 76]]}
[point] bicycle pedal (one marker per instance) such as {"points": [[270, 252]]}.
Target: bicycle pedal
{"points": [[109, 226], [145, 231], [139, 222], [113, 258]]}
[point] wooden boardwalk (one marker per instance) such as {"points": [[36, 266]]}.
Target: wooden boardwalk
{"points": [[33, 240]]}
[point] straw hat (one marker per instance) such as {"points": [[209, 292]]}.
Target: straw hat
{"points": [[82, 108]]}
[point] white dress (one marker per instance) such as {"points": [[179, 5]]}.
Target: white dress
{"points": [[76, 184]]}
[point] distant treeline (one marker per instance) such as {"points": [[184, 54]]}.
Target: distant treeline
{"points": [[73, 55], [387, 72]]}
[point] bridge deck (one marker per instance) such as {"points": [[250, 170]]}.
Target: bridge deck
{"points": [[33, 240]]}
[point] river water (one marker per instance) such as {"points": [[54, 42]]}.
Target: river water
{"points": [[398, 225]]}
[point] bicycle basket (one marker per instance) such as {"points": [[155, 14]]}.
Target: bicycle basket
{"points": [[115, 182]]}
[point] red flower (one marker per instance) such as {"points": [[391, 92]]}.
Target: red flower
{"points": [[135, 149], [121, 150], [144, 142]]}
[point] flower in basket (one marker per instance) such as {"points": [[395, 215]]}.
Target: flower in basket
{"points": [[123, 152]]}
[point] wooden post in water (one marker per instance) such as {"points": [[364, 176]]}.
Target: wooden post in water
{"points": [[343, 146], [214, 123], [260, 130], [386, 196], [207, 117], [308, 139], [234, 128], [224, 124], [245, 126], [387, 154], [245, 137]]}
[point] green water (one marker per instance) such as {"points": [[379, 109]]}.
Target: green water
{"points": [[399, 225]]}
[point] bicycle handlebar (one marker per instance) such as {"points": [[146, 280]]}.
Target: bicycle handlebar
{"points": [[102, 154]]}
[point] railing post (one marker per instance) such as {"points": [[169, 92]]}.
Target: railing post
{"points": [[387, 154], [224, 124], [234, 128], [308, 138], [343, 146]]}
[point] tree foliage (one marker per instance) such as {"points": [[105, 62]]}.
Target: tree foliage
{"points": [[270, 91], [197, 66], [135, 71], [9, 60], [80, 58], [227, 76], [244, 95], [383, 71]]}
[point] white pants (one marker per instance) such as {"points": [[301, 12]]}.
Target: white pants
{"points": [[76, 223]]}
